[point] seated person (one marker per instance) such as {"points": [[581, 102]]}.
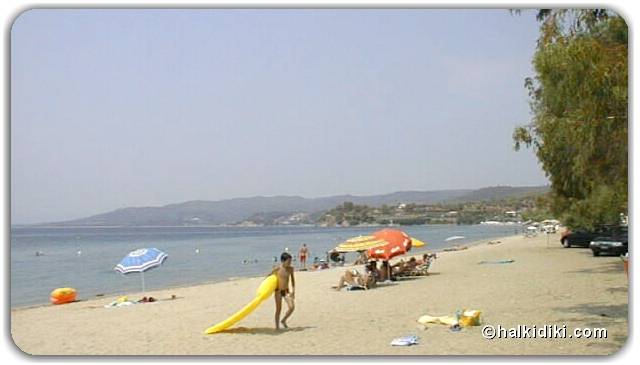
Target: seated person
{"points": [[336, 257], [319, 265], [403, 267], [353, 277], [398, 265], [362, 259], [421, 267], [384, 273], [427, 258]]}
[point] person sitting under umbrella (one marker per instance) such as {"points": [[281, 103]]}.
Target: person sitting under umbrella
{"points": [[427, 258], [385, 273], [336, 257], [362, 259], [354, 278], [403, 266]]}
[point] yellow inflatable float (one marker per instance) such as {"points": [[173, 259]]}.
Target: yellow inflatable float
{"points": [[62, 295], [266, 288]]}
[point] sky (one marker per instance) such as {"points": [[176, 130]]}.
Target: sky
{"points": [[118, 108]]}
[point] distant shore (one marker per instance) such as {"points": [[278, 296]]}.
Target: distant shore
{"points": [[254, 226]]}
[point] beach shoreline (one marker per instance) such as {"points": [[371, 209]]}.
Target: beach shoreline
{"points": [[562, 286], [413, 253]]}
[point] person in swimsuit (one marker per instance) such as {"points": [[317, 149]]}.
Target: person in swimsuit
{"points": [[284, 271], [353, 277], [302, 254]]}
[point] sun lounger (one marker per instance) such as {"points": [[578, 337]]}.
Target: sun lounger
{"points": [[420, 270]]}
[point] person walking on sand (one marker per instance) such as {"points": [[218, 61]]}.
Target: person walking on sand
{"points": [[303, 253], [284, 271]]}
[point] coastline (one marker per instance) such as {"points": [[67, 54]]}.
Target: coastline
{"points": [[416, 254], [546, 284]]}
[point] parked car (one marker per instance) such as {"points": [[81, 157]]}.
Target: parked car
{"points": [[583, 238], [617, 244]]}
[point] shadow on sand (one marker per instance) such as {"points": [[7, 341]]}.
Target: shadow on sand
{"points": [[595, 314], [608, 267], [416, 277], [598, 315], [263, 330], [619, 289], [617, 311]]}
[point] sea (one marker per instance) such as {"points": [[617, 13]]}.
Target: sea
{"points": [[43, 259]]}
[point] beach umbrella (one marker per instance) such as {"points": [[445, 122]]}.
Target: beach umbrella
{"points": [[360, 243], [141, 260], [398, 243], [417, 243]]}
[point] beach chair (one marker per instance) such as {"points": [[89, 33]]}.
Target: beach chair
{"points": [[420, 270]]}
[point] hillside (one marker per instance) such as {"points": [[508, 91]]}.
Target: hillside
{"points": [[232, 211], [499, 192]]}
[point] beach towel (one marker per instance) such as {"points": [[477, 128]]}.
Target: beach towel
{"points": [[355, 287], [447, 320], [405, 341], [385, 283], [115, 304], [497, 262]]}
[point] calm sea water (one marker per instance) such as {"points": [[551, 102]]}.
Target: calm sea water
{"points": [[196, 255]]}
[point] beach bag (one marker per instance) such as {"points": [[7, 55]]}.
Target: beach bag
{"points": [[470, 317]]}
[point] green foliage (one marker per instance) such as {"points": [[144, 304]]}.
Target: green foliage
{"points": [[348, 212], [386, 210], [579, 101], [541, 210], [410, 221], [473, 217]]}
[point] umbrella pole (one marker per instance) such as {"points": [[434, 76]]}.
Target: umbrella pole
{"points": [[143, 289]]}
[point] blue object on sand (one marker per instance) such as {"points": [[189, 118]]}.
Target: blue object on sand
{"points": [[405, 341], [497, 262]]}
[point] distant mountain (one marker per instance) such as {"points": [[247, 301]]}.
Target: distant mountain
{"points": [[500, 192], [236, 210]]}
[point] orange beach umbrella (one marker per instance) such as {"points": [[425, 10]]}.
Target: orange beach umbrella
{"points": [[398, 243]]}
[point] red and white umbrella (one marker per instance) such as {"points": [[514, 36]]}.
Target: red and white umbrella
{"points": [[398, 243]]}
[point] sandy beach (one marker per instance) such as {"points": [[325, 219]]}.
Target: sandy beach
{"points": [[545, 285]]}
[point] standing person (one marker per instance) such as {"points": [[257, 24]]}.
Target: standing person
{"points": [[284, 271], [303, 253]]}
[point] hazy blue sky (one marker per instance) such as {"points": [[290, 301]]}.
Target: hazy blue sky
{"points": [[149, 107]]}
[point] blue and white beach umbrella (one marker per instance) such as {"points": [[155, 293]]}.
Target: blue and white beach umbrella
{"points": [[141, 260]]}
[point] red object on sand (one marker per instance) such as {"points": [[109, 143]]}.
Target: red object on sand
{"points": [[398, 243]]}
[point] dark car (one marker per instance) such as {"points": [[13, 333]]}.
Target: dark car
{"points": [[617, 244], [583, 238]]}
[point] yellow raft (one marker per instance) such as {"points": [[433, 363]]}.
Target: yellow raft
{"points": [[266, 288]]}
